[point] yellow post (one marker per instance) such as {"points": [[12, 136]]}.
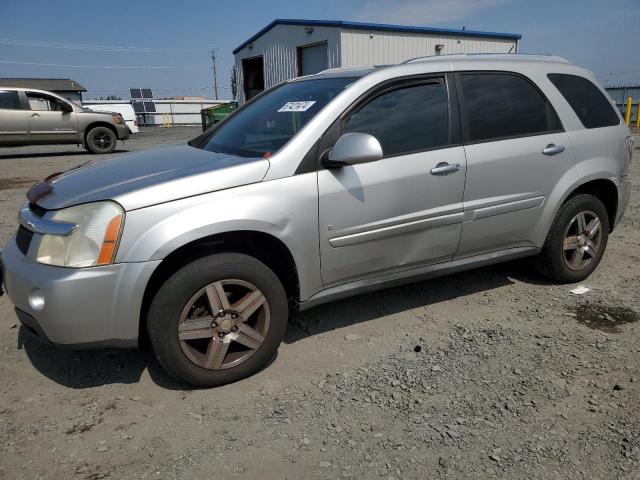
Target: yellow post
{"points": [[627, 115], [638, 115]]}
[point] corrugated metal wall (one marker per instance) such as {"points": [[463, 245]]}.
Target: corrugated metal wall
{"points": [[278, 48], [620, 95], [361, 47], [350, 47]]}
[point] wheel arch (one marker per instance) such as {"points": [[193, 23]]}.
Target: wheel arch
{"points": [[265, 247], [605, 190], [93, 125]]}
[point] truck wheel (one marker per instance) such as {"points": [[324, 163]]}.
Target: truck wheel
{"points": [[101, 140], [577, 240], [218, 319]]}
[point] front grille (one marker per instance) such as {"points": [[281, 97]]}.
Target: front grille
{"points": [[23, 239]]}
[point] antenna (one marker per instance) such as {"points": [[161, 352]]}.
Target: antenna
{"points": [[215, 76]]}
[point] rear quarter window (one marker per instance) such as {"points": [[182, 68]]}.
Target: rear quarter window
{"points": [[592, 107]]}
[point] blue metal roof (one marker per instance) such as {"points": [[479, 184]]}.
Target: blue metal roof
{"points": [[377, 26]]}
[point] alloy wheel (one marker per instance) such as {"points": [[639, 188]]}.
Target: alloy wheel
{"points": [[582, 240], [102, 141], [223, 324]]}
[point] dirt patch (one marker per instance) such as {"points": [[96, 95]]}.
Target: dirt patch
{"points": [[15, 183]]}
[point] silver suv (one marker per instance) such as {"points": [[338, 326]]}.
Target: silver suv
{"points": [[38, 117], [323, 187]]}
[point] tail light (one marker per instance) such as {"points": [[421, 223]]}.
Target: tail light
{"points": [[135, 122]]}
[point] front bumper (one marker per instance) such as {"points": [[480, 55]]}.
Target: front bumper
{"points": [[77, 308], [123, 131]]}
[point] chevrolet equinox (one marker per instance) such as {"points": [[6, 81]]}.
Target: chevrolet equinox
{"points": [[320, 188]]}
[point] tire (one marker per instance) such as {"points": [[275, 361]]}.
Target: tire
{"points": [[101, 140], [559, 257], [185, 306]]}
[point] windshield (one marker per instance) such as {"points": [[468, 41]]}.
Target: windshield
{"points": [[265, 125]]}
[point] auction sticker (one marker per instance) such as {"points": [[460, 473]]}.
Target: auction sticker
{"points": [[297, 106]]}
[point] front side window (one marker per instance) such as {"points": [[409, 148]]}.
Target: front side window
{"points": [[9, 100], [591, 106], [40, 102], [499, 105], [269, 122], [408, 119]]}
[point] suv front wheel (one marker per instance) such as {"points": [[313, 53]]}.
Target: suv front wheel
{"points": [[218, 319], [577, 240]]}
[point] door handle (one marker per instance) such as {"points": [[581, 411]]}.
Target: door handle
{"points": [[553, 149], [444, 168], [34, 115]]}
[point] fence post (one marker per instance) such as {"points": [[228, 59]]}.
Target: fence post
{"points": [[638, 115], [627, 116]]}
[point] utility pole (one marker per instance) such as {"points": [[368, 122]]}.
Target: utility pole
{"points": [[215, 76]]}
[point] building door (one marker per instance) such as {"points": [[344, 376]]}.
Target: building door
{"points": [[252, 76], [312, 59]]}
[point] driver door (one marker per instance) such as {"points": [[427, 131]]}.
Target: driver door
{"points": [[402, 211], [50, 121]]}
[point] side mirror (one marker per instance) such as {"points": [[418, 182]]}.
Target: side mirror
{"points": [[352, 149]]}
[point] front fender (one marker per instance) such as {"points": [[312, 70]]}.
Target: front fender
{"points": [[286, 208]]}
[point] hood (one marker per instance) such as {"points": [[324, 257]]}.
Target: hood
{"points": [[149, 177]]}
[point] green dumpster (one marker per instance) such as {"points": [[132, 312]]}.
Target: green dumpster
{"points": [[216, 113]]}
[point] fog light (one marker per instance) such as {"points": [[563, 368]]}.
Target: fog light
{"points": [[36, 299]]}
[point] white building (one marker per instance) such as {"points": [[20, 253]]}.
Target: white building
{"points": [[289, 48]]}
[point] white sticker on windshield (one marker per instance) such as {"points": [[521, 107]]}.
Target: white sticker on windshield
{"points": [[297, 106]]}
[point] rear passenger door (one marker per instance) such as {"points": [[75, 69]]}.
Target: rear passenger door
{"points": [[516, 152], [404, 210], [14, 124]]}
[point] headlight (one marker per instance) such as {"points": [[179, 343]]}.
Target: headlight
{"points": [[92, 243], [117, 118]]}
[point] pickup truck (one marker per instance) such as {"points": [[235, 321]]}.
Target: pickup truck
{"points": [[38, 117]]}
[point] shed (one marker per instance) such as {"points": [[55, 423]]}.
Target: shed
{"points": [[65, 87], [288, 48]]}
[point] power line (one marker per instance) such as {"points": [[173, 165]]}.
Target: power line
{"points": [[120, 67], [95, 48]]}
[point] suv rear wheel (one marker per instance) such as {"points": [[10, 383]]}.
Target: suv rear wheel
{"points": [[101, 140], [218, 319], [577, 240]]}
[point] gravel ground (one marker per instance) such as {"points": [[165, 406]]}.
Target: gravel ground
{"points": [[487, 374]]}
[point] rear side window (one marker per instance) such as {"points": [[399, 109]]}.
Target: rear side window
{"points": [[503, 105], [9, 100], [591, 106], [408, 119]]}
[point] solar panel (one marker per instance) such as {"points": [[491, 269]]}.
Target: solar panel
{"points": [[146, 93], [150, 107], [135, 93], [138, 107]]}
